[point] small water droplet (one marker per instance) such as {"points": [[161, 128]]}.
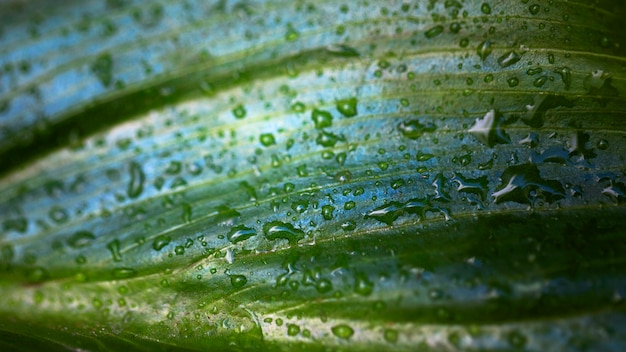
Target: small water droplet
{"points": [[321, 118], [327, 139], [239, 112], [342, 331], [414, 129], [485, 8], [323, 285], [160, 241], [238, 281], [327, 212], [80, 239], [114, 248], [347, 107], [534, 9], [391, 335], [267, 139], [137, 178], [362, 285], [434, 31], [484, 49], [293, 329], [123, 273]]}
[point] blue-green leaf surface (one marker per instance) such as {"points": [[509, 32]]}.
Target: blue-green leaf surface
{"points": [[290, 175]]}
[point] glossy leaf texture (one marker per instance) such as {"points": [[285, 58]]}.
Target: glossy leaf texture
{"points": [[290, 175]]}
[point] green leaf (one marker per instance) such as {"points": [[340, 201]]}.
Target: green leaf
{"points": [[282, 175]]}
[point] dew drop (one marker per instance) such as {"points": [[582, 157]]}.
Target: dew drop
{"points": [[114, 248], [321, 118], [508, 59], [342, 331], [414, 129], [485, 8], [124, 273], [161, 241], [362, 285], [279, 230], [293, 329], [484, 49], [238, 281], [267, 139], [240, 233], [433, 32], [80, 239], [239, 112], [327, 212], [137, 178], [347, 107]]}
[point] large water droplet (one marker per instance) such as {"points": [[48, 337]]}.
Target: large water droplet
{"points": [[508, 59], [484, 49], [488, 129], [276, 229], [523, 184], [240, 233]]}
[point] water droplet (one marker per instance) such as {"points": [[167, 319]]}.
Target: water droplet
{"points": [[362, 285], [348, 225], [540, 81], [160, 241], [114, 248], [323, 285], [523, 183], [267, 139], [387, 213], [484, 49], [390, 335], [515, 338], [342, 331], [478, 186], [327, 139], [534, 71], [103, 69], [485, 8], [603, 144], [327, 212], [566, 76], [488, 129], [124, 273], [508, 59], [321, 118], [513, 82], [291, 34], [413, 129], [240, 233], [534, 9], [397, 183], [239, 112], [80, 239], [36, 274], [276, 229], [186, 212], [535, 112], [137, 178], [435, 31], [238, 281], [347, 107], [179, 250], [293, 329]]}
